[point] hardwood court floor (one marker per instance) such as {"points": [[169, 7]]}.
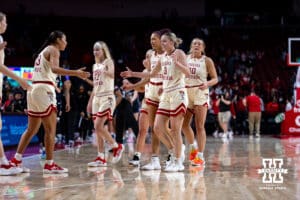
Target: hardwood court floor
{"points": [[231, 172]]}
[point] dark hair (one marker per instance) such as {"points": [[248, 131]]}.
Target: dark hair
{"points": [[50, 40], [160, 32], [2, 15], [203, 52]]}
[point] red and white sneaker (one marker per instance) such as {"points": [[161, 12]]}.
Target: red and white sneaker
{"points": [[54, 169], [98, 162], [78, 142], [6, 170], [117, 153], [59, 146], [198, 161], [193, 154], [18, 163]]}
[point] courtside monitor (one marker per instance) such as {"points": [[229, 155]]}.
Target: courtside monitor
{"points": [[22, 71], [293, 57]]}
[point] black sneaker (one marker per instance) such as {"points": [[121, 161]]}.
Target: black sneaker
{"points": [[135, 161]]}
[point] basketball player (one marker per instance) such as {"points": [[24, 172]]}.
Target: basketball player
{"points": [[103, 102], [143, 115], [173, 101], [41, 100], [197, 89], [6, 168], [153, 96]]}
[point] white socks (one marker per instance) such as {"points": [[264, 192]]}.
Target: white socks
{"points": [[49, 162], [191, 147], [171, 151], [115, 145], [101, 155], [200, 154], [3, 161], [18, 156]]}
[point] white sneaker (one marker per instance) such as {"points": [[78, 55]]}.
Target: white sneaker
{"points": [[18, 164], [182, 157], [135, 161], [180, 166], [54, 169], [224, 135], [117, 153], [174, 166], [257, 138], [98, 162], [6, 170], [153, 165], [225, 140], [230, 134], [215, 134]]}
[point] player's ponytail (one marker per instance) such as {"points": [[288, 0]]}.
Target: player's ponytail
{"points": [[50, 40], [177, 41]]}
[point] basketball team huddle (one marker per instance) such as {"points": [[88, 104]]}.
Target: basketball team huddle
{"points": [[176, 87]]}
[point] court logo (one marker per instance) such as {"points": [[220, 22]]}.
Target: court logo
{"points": [[272, 170]]}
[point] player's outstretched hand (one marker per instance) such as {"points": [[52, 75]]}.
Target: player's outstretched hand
{"points": [[83, 74], [24, 84], [126, 74]]}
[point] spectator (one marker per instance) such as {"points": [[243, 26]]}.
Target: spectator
{"points": [[272, 109], [18, 104], [133, 97], [253, 104], [241, 112], [8, 105], [288, 105], [224, 114], [82, 101], [70, 114], [124, 116]]}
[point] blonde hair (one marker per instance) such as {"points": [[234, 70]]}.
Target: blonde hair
{"points": [[177, 41], [2, 15], [103, 45], [203, 52]]}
